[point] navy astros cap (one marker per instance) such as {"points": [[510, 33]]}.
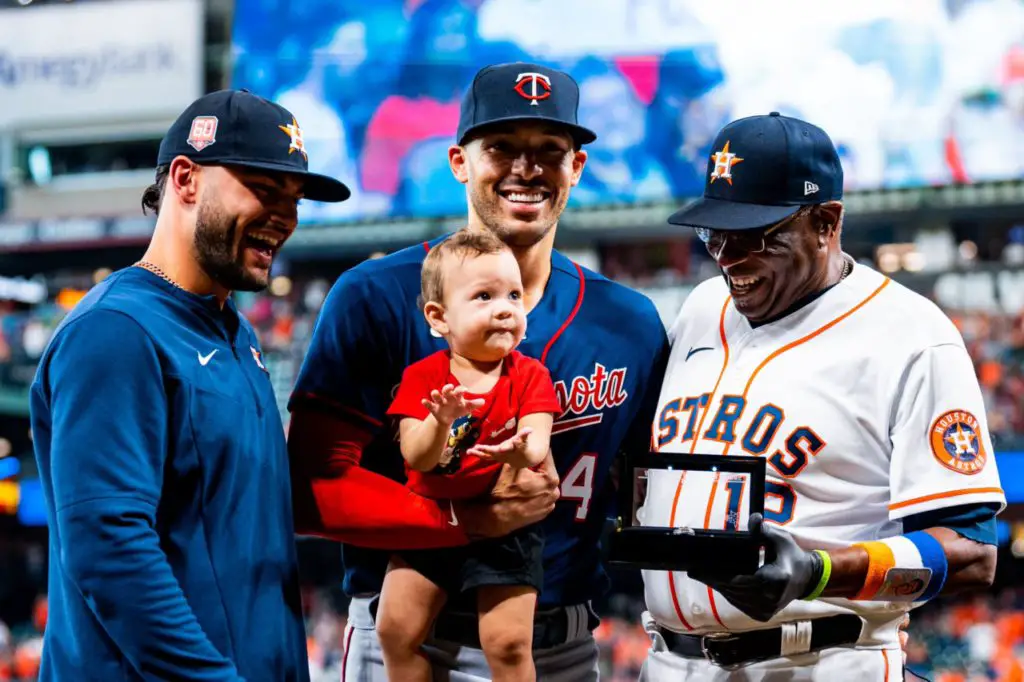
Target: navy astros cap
{"points": [[238, 128], [763, 169], [521, 92]]}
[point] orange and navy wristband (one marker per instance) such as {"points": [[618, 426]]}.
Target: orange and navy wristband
{"points": [[906, 568]]}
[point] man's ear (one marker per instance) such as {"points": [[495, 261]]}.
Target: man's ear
{"points": [[579, 160], [435, 314], [458, 163], [830, 220], [183, 179]]}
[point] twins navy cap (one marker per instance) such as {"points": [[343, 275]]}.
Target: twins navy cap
{"points": [[763, 169], [238, 128], [520, 91]]}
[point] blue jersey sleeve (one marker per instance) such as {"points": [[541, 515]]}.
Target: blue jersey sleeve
{"points": [[347, 365], [638, 438], [104, 387], [973, 521]]}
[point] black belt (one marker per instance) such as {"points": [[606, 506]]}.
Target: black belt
{"points": [[550, 628], [740, 648]]}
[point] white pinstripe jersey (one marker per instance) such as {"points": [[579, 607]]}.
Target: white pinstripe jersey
{"points": [[866, 406]]}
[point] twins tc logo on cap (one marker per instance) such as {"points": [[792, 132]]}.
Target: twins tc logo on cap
{"points": [[724, 161], [295, 133], [955, 438], [203, 132], [539, 86]]}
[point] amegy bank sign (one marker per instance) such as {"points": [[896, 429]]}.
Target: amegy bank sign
{"points": [[119, 61]]}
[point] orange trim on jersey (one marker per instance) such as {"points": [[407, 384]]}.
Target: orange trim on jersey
{"points": [[707, 521], [693, 445], [721, 373], [885, 658], [711, 499], [714, 607], [941, 496], [568, 320], [880, 560], [820, 330], [671, 579]]}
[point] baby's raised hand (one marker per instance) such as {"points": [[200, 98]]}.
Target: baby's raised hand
{"points": [[510, 451], [450, 403]]}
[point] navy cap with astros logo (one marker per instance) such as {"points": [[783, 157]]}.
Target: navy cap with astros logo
{"points": [[763, 169], [520, 91], [238, 128]]}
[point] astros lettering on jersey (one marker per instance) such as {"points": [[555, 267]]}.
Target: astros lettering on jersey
{"points": [[866, 407]]}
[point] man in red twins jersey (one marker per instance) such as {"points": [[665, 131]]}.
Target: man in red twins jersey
{"points": [[519, 152], [881, 488]]}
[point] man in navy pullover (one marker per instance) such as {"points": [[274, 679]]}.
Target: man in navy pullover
{"points": [[157, 436]]}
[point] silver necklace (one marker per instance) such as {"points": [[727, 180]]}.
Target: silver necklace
{"points": [[847, 268]]}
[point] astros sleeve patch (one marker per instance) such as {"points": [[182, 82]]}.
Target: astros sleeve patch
{"points": [[955, 439]]}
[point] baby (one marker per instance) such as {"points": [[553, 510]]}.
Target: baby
{"points": [[463, 413]]}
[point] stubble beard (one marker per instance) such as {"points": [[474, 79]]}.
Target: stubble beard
{"points": [[216, 253], [516, 237]]}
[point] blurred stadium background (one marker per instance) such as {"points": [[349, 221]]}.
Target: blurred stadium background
{"points": [[924, 98]]}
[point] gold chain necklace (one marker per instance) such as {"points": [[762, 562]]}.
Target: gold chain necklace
{"points": [[146, 265]]}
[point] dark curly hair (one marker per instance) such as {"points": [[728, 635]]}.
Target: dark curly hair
{"points": [[154, 194]]}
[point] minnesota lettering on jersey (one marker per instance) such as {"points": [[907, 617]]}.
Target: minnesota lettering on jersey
{"points": [[601, 390], [801, 444], [584, 399]]}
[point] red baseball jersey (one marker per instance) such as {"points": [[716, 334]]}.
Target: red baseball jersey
{"points": [[524, 387]]}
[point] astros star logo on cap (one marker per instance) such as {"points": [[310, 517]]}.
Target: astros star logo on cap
{"points": [[724, 161], [295, 133]]}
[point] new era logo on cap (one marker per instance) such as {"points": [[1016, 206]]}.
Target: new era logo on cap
{"points": [[771, 166]]}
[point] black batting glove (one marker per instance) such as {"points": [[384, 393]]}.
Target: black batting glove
{"points": [[789, 573]]}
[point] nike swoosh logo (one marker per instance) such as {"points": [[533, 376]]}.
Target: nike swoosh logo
{"points": [[697, 350], [454, 520], [204, 360]]}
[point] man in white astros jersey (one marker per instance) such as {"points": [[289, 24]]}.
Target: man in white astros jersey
{"points": [[881, 489]]}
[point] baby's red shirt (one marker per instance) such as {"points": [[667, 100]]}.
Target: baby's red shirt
{"points": [[524, 387]]}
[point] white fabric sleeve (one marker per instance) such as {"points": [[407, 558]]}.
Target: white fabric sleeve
{"points": [[941, 450]]}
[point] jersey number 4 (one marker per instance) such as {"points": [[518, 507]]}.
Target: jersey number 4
{"points": [[578, 483]]}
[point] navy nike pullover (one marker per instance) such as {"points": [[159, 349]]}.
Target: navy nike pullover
{"points": [[165, 471]]}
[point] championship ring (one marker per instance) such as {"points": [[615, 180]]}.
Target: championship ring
{"points": [[680, 512]]}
